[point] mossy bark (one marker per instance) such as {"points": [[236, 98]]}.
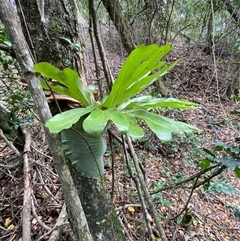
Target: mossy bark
{"points": [[100, 213], [45, 23]]}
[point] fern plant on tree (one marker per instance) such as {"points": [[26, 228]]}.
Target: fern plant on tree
{"points": [[82, 128]]}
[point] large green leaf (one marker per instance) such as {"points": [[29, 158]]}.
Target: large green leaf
{"points": [[98, 120], [49, 71], [137, 73], [84, 150], [68, 82], [147, 102], [162, 126], [143, 83], [134, 130], [66, 119]]}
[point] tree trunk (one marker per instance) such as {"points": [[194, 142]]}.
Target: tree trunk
{"points": [[114, 10], [100, 213], [47, 26]]}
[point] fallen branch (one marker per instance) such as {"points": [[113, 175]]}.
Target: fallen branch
{"points": [[40, 222], [9, 143], [56, 230], [26, 212]]}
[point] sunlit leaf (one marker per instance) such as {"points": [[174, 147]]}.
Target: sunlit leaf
{"points": [[68, 83], [49, 71], [147, 102], [131, 209], [10, 227], [134, 130], [139, 70], [7, 222]]}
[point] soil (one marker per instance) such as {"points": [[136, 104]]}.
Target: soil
{"points": [[213, 213]]}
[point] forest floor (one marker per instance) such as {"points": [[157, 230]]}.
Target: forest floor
{"points": [[213, 207]]}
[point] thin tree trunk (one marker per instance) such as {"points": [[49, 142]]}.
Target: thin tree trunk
{"points": [[114, 10]]}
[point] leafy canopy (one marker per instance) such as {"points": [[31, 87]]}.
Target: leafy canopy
{"points": [[121, 106]]}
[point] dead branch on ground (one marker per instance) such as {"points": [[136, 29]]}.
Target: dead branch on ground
{"points": [[26, 212]]}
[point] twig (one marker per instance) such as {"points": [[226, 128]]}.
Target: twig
{"points": [[46, 188], [196, 185], [145, 210], [146, 221], [189, 198], [185, 180], [129, 238], [26, 212], [41, 153], [106, 68], [56, 230], [37, 217], [9, 143], [95, 59], [145, 191], [116, 137], [211, 176], [62, 218]]}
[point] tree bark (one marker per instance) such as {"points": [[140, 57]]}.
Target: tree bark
{"points": [[114, 10], [45, 25], [101, 215]]}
